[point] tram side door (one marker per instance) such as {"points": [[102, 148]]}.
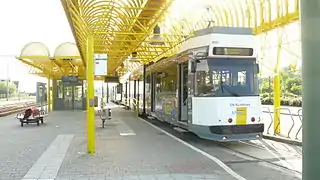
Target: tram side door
{"points": [[183, 92]]}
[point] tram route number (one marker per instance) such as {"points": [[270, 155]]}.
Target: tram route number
{"points": [[237, 112]]}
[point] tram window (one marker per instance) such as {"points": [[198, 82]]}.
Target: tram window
{"points": [[222, 82], [167, 85], [241, 78], [168, 79]]}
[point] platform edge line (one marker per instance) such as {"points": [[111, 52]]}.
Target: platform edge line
{"points": [[213, 158]]}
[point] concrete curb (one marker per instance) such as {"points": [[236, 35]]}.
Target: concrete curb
{"points": [[283, 140]]}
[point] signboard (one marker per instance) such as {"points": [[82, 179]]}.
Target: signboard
{"points": [[71, 80], [111, 79], [100, 64]]}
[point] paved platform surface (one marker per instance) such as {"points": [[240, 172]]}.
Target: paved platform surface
{"points": [[128, 148]]}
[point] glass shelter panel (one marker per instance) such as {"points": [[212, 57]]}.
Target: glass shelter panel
{"points": [[69, 96]]}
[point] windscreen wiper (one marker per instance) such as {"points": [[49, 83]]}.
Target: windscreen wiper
{"points": [[221, 85], [229, 91]]}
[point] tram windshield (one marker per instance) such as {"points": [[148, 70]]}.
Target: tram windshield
{"points": [[227, 77]]}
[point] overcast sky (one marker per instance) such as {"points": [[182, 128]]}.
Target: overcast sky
{"points": [[24, 21]]}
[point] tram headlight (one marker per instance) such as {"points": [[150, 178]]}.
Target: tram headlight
{"points": [[253, 119], [224, 138]]}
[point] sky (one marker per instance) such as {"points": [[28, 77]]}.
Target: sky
{"points": [[25, 21]]}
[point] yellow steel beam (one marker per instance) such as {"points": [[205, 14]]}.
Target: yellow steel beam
{"points": [[125, 26], [129, 17]]}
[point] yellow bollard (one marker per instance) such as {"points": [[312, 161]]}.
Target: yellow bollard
{"points": [[276, 103]]}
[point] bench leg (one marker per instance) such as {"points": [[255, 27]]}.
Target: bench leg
{"points": [[21, 124], [38, 123]]}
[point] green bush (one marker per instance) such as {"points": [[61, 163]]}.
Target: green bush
{"points": [[284, 101], [289, 95], [296, 102], [265, 99]]}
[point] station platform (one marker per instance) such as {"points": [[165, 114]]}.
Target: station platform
{"points": [[129, 148]]}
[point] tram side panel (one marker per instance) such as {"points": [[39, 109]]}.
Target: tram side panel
{"points": [[130, 92], [123, 94], [139, 95], [118, 93], [166, 106], [148, 94]]}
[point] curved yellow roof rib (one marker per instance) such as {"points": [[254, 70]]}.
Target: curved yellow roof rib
{"points": [[123, 28]]}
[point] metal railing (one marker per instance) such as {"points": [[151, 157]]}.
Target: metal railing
{"points": [[289, 131]]}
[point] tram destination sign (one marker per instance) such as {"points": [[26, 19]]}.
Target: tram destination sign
{"points": [[111, 79], [70, 79], [231, 51]]}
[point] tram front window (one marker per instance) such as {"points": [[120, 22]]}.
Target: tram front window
{"points": [[227, 77]]}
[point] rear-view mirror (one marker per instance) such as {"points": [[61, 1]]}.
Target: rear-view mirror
{"points": [[201, 56]]}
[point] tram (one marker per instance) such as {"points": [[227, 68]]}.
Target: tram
{"points": [[210, 87]]}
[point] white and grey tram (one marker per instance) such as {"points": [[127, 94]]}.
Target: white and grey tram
{"points": [[209, 88]]}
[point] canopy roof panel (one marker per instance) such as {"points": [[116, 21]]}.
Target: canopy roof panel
{"points": [[65, 61], [35, 49], [66, 49], [125, 29]]}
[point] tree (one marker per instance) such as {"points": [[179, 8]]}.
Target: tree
{"points": [[294, 85], [11, 87], [291, 88]]}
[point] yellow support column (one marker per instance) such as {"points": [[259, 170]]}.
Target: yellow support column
{"points": [[48, 95], [276, 102], [90, 95]]}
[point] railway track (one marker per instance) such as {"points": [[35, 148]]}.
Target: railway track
{"points": [[15, 108], [270, 162], [243, 150]]}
